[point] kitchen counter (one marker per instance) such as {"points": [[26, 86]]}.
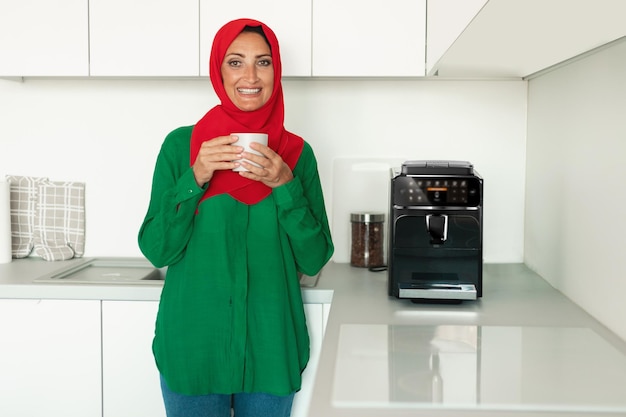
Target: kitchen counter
{"points": [[17, 280], [490, 357], [517, 343]]}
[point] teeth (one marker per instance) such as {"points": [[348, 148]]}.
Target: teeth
{"points": [[249, 90]]}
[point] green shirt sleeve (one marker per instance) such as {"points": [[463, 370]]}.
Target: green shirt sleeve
{"points": [[174, 199], [302, 215]]}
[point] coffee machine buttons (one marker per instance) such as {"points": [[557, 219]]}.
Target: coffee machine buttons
{"points": [[409, 191]]}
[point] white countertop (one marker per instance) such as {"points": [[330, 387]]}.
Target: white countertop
{"points": [[17, 280], [524, 349], [515, 352]]}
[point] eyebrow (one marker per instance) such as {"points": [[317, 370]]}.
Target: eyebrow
{"points": [[243, 56]]}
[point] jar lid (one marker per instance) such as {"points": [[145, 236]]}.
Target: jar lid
{"points": [[365, 217]]}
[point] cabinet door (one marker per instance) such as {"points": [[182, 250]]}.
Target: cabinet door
{"points": [[519, 38], [50, 358], [315, 318], [446, 21], [382, 39], [143, 38], [129, 375], [326, 314], [44, 38], [289, 19]]}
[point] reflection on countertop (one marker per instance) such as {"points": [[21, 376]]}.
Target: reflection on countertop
{"points": [[478, 367]]}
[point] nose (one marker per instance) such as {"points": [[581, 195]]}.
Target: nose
{"points": [[251, 73]]}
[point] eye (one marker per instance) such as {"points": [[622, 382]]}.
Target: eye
{"points": [[234, 63], [265, 62]]}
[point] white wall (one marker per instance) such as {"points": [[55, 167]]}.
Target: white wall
{"points": [[107, 133], [575, 191]]}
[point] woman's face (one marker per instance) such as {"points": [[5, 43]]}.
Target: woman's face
{"points": [[248, 72]]}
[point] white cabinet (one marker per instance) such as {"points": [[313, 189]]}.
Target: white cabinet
{"points": [[130, 378], [446, 20], [316, 316], [87, 358], [127, 332], [353, 38], [44, 38], [50, 358], [143, 37], [397, 38], [518, 38], [289, 19]]}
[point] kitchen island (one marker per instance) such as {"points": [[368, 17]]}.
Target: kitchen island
{"points": [[522, 350]]}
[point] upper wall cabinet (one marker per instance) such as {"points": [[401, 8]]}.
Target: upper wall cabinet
{"points": [[518, 38], [445, 21], [143, 37], [289, 19], [356, 38], [44, 38]]}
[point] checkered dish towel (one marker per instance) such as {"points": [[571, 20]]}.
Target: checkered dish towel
{"points": [[57, 221], [24, 192]]}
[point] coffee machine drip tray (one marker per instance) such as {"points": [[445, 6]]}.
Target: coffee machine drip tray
{"points": [[437, 291]]}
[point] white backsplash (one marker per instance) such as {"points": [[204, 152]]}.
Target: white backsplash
{"points": [[369, 121], [359, 184]]}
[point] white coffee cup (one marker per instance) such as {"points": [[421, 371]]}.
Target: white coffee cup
{"points": [[244, 140]]}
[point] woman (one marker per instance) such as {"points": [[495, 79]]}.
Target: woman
{"points": [[231, 324]]}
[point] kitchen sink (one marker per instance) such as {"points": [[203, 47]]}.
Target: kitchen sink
{"points": [[108, 271], [126, 271]]}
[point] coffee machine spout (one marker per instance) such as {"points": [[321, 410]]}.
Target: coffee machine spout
{"points": [[437, 227]]}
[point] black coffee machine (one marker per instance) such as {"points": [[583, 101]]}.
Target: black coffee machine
{"points": [[436, 232]]}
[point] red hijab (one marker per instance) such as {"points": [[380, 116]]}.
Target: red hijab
{"points": [[226, 118]]}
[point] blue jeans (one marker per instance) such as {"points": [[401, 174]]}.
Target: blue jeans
{"points": [[219, 405]]}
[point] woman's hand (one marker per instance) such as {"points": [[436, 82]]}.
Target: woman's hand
{"points": [[215, 154], [273, 171]]}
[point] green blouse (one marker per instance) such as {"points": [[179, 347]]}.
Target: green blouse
{"points": [[231, 317]]}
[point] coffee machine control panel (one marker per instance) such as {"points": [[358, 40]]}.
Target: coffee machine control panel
{"points": [[436, 191]]}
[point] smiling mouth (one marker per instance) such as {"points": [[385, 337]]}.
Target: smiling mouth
{"points": [[250, 91]]}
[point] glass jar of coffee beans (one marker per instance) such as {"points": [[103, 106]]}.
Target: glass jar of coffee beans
{"points": [[367, 239]]}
